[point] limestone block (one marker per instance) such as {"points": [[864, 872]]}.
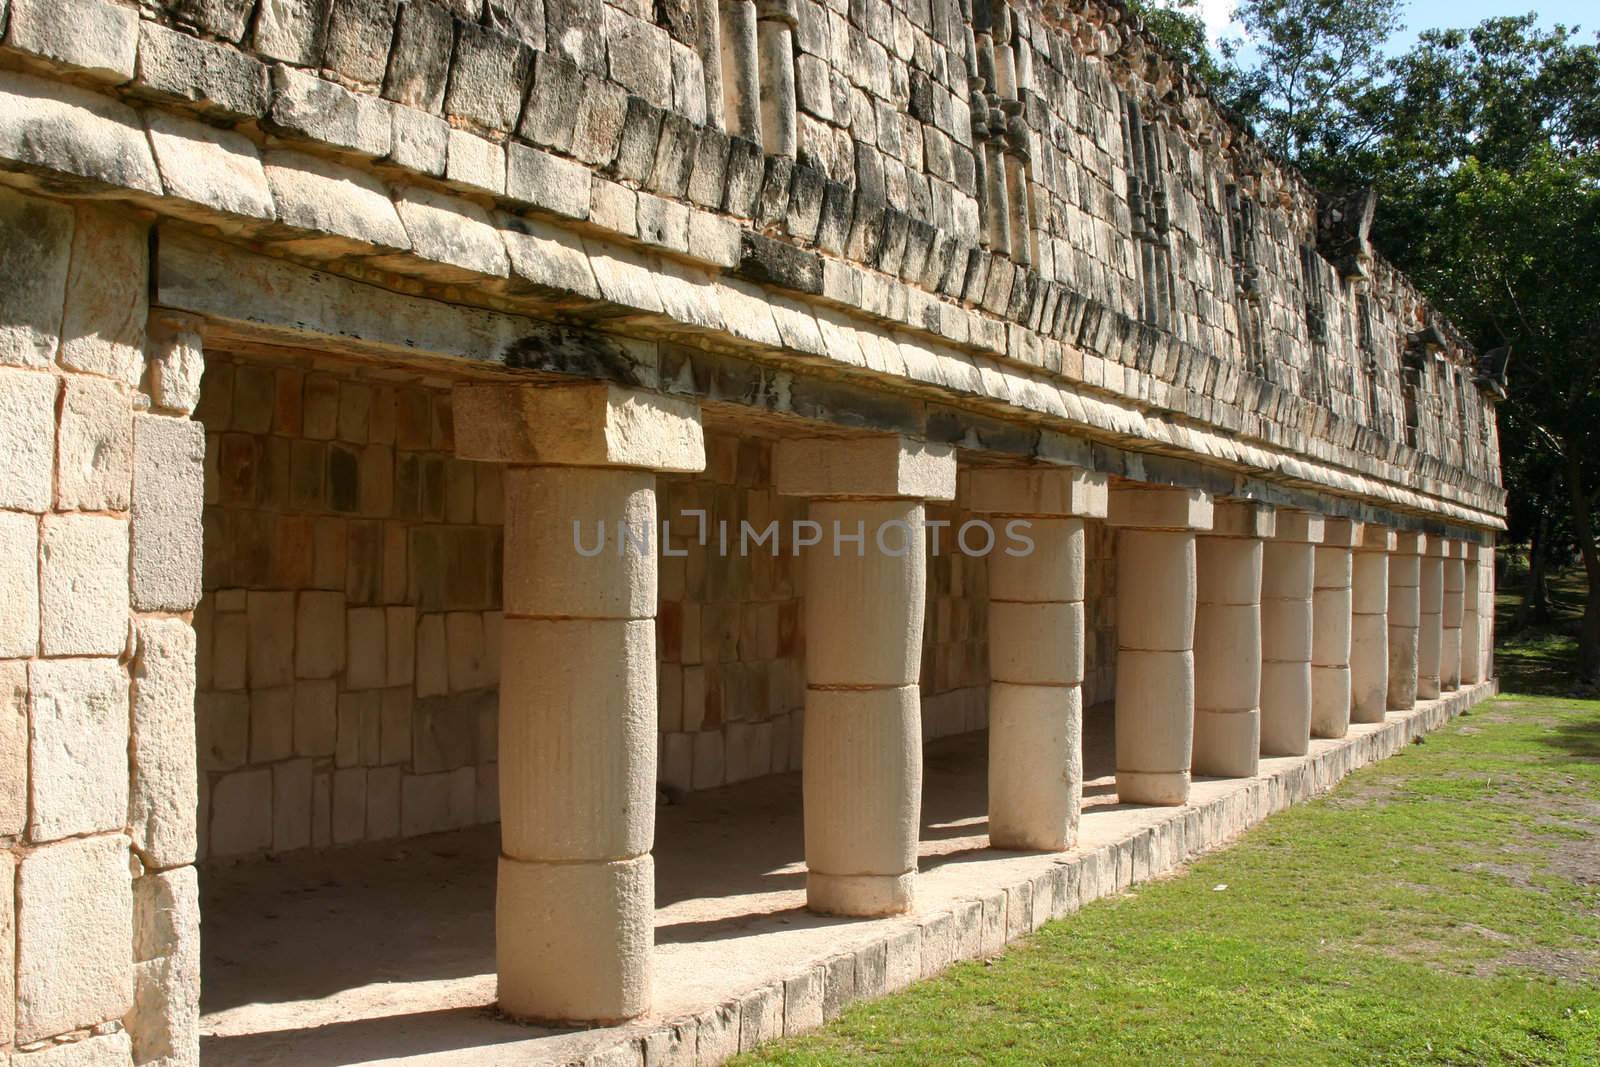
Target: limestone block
{"points": [[567, 555], [166, 914], [61, 128], [597, 917], [319, 629], [1228, 571], [1227, 652], [863, 613], [168, 497], [102, 326], [1330, 701], [163, 784], [311, 193], [1152, 507], [97, 37], [102, 1050], [420, 142], [1227, 743], [1285, 705], [1034, 644], [307, 106], [1300, 527], [419, 61], [489, 73], [475, 161], [218, 79], [359, 33], [1403, 647], [449, 230], [94, 458], [1051, 570], [27, 440], [1035, 766], [589, 425], [272, 626], [35, 254], [1156, 590], [241, 813], [1287, 570], [175, 358], [1155, 725], [882, 466], [1369, 668], [215, 168], [293, 32], [578, 721], [863, 796], [760, 1017], [19, 585], [1369, 583], [74, 937], [548, 182], [13, 754], [1243, 518], [1037, 491], [1341, 533], [84, 560]]}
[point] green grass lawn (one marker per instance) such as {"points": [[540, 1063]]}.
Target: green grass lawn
{"points": [[1442, 906]]}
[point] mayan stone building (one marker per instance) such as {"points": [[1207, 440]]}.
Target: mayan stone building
{"points": [[333, 334]]}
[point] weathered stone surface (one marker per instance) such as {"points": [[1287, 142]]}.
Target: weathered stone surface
{"points": [[70, 131], [420, 141], [446, 229], [551, 113], [547, 182], [878, 466], [575, 28], [419, 62], [96, 37], [476, 161], [35, 252], [78, 753], [358, 38], [84, 561], [216, 168], [641, 129], [27, 439], [766, 259], [168, 492], [293, 31], [638, 56], [579, 425], [163, 785], [94, 460], [221, 18], [522, 19], [488, 77], [241, 813], [547, 257], [97, 1050], [598, 133], [102, 326], [325, 197], [305, 105], [220, 80], [19, 588], [13, 792], [74, 934]]}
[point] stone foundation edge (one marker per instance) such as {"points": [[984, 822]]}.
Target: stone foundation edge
{"points": [[925, 945]]}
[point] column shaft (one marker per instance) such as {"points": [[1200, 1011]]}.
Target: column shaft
{"points": [[577, 748], [741, 78], [1405, 569], [862, 780], [1036, 631], [1430, 624], [1227, 656], [1331, 629], [775, 42], [1451, 646], [1287, 569], [1471, 628], [1369, 627], [1155, 665]]}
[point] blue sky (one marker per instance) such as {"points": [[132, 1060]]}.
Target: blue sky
{"points": [[1423, 14]]}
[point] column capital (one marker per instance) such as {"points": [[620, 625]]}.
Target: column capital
{"points": [[1300, 526], [1375, 539], [1410, 543], [1038, 492], [1341, 533], [1483, 553], [1243, 518], [585, 424], [1158, 507], [1436, 547], [880, 467], [1457, 549]]}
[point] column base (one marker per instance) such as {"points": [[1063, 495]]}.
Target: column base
{"points": [[1285, 708], [1330, 701], [1427, 689], [862, 896], [1035, 766], [1227, 744], [573, 940], [1168, 789]]}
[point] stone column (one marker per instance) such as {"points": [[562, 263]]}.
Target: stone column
{"points": [[1405, 569], [1227, 640], [1155, 638], [1330, 628], [1287, 569], [1430, 619], [775, 26], [1369, 624], [1036, 634], [1454, 608], [1471, 628], [575, 897], [741, 77], [865, 582]]}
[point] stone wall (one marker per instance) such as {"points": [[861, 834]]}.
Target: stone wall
{"points": [[100, 483], [349, 634]]}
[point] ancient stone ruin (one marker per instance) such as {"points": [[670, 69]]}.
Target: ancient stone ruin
{"points": [[420, 414]]}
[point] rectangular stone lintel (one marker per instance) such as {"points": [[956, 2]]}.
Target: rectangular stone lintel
{"points": [[587, 424], [1438, 547], [1158, 507], [1036, 491], [1243, 518], [1458, 550], [1300, 526], [1376, 539], [1341, 533], [885, 466], [1410, 543]]}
